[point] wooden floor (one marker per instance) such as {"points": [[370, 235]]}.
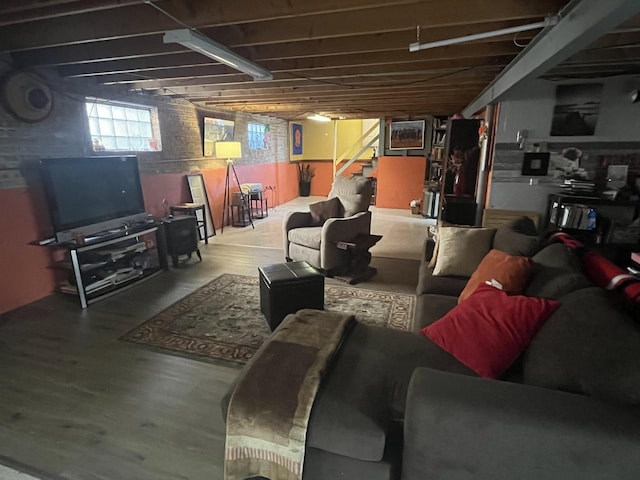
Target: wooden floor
{"points": [[77, 403]]}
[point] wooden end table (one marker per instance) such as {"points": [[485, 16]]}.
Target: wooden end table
{"points": [[358, 269]]}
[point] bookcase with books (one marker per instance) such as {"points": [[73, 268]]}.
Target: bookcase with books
{"points": [[595, 220]]}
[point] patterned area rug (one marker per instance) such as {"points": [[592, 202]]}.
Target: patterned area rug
{"points": [[222, 321]]}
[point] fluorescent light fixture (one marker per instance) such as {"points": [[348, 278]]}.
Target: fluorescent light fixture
{"points": [[201, 44], [549, 21], [228, 150], [319, 118]]}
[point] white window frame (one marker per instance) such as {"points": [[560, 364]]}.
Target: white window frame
{"points": [[257, 136], [122, 127]]}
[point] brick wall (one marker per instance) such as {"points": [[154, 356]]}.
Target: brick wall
{"points": [[24, 275]]}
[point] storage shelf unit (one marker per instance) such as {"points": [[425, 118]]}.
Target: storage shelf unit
{"points": [[109, 265], [610, 215]]}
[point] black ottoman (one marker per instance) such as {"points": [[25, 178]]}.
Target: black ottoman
{"points": [[288, 287]]}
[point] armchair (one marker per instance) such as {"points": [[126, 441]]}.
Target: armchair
{"points": [[313, 236]]}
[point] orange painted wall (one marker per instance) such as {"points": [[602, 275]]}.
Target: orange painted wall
{"points": [[321, 182], [24, 272], [173, 187], [400, 180]]}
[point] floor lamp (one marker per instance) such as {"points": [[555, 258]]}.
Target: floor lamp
{"points": [[231, 150]]}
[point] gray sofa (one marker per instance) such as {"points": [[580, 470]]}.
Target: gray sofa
{"points": [[394, 405]]}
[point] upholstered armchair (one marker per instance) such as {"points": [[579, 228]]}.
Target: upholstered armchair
{"points": [[313, 236]]}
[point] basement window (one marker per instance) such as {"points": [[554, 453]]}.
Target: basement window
{"points": [[257, 133], [122, 127]]}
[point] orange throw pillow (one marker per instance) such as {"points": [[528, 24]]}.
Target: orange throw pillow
{"points": [[511, 271]]}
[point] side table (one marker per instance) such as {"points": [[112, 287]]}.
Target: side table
{"points": [[259, 205], [358, 269], [192, 209]]}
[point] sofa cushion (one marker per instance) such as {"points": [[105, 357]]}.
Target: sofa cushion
{"points": [[442, 285], [518, 237], [589, 345], [354, 194], [308, 236], [512, 272], [460, 249], [488, 331], [431, 307], [556, 272], [364, 394], [323, 210]]}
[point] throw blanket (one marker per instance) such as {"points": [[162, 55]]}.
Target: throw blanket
{"points": [[601, 271], [269, 410]]}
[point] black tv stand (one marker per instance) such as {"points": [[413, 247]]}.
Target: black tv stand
{"points": [[106, 264]]}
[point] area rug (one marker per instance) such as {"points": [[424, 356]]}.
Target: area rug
{"points": [[222, 321]]}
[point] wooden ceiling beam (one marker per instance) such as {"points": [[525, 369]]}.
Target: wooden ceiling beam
{"points": [[349, 98], [343, 20], [454, 57], [9, 6], [202, 92], [346, 76], [90, 56], [189, 68], [424, 107], [583, 24], [92, 26], [58, 9]]}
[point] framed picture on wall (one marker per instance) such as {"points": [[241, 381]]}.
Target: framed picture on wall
{"points": [[216, 130], [296, 138], [535, 163], [406, 135], [576, 110]]}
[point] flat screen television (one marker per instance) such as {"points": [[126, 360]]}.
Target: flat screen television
{"points": [[92, 195]]}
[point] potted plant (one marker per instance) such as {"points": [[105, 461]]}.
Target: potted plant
{"points": [[305, 174]]}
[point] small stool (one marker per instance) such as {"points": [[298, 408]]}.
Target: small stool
{"points": [[192, 209], [288, 287]]}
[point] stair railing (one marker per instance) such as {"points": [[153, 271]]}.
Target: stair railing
{"points": [[340, 158]]}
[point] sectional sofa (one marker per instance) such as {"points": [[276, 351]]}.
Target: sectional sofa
{"points": [[400, 405]]}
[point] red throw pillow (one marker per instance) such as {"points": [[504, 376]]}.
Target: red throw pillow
{"points": [[511, 271], [489, 330]]}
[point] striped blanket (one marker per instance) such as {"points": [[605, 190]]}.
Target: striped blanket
{"points": [[269, 410]]}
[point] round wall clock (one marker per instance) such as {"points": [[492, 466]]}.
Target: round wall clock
{"points": [[26, 96]]}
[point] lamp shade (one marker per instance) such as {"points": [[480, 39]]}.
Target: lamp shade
{"points": [[228, 150]]}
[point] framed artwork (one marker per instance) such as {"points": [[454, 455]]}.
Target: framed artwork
{"points": [[199, 195], [296, 138], [576, 110], [216, 130], [535, 163], [406, 135]]}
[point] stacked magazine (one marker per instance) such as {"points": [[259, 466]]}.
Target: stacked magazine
{"points": [[578, 187]]}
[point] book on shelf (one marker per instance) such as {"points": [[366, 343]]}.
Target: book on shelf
{"points": [[579, 217]]}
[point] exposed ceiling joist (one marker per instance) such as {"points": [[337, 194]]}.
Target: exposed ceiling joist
{"points": [[580, 25], [346, 57]]}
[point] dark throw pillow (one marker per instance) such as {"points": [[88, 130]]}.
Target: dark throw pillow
{"points": [[518, 237], [490, 329], [321, 211]]}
